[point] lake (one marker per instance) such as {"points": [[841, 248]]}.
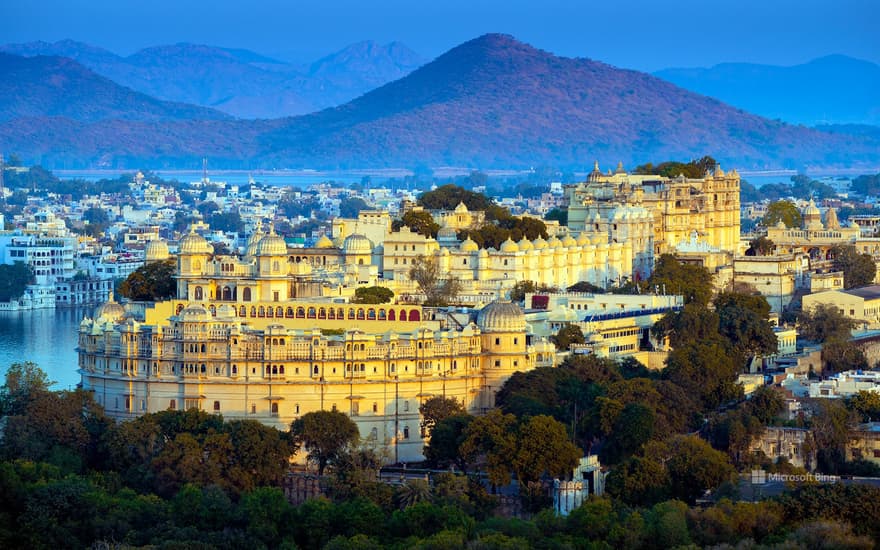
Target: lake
{"points": [[46, 337]]}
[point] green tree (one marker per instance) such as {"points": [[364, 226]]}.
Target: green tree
{"points": [[420, 221], [823, 323], [490, 442], [694, 282], [14, 280], [569, 334], [372, 295], [704, 370], [543, 448], [587, 287], [325, 435], [436, 409], [439, 288], [557, 214], [858, 269], [639, 481], [350, 207], [152, 282], [743, 320], [694, 466], [784, 211], [866, 404], [229, 222], [840, 355], [447, 437], [23, 382], [632, 428], [447, 197]]}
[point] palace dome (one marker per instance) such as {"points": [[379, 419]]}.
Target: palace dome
{"points": [[583, 239], [501, 316], [109, 311], [539, 243], [569, 241], [525, 244], [468, 245], [156, 251], [447, 233], [271, 245], [461, 208], [357, 244], [193, 243], [553, 242], [509, 246], [324, 242]]}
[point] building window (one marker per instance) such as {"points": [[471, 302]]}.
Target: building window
{"points": [[498, 341], [406, 432], [216, 405], [172, 405]]}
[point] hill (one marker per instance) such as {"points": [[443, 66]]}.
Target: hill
{"points": [[490, 102], [240, 82], [494, 101], [60, 87], [834, 89]]}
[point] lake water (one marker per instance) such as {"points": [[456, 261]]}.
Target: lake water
{"points": [[46, 337]]}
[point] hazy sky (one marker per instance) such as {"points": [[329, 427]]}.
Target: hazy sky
{"points": [[646, 34]]}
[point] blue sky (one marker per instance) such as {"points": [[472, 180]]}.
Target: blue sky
{"points": [[644, 35]]}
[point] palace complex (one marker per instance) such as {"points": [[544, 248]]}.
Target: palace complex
{"points": [[271, 333], [237, 341]]}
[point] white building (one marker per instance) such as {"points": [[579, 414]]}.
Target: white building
{"points": [[846, 384]]}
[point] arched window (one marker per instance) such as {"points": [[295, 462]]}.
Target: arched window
{"points": [[279, 312], [371, 314], [351, 313], [403, 315], [274, 408], [382, 315], [242, 311], [414, 315], [274, 341], [227, 293], [322, 313], [261, 312], [331, 313], [340, 314], [179, 309], [391, 315], [198, 294], [270, 312], [274, 369], [311, 313], [276, 266], [315, 370], [213, 310], [203, 348], [253, 311], [300, 313], [289, 313], [360, 314], [246, 295]]}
